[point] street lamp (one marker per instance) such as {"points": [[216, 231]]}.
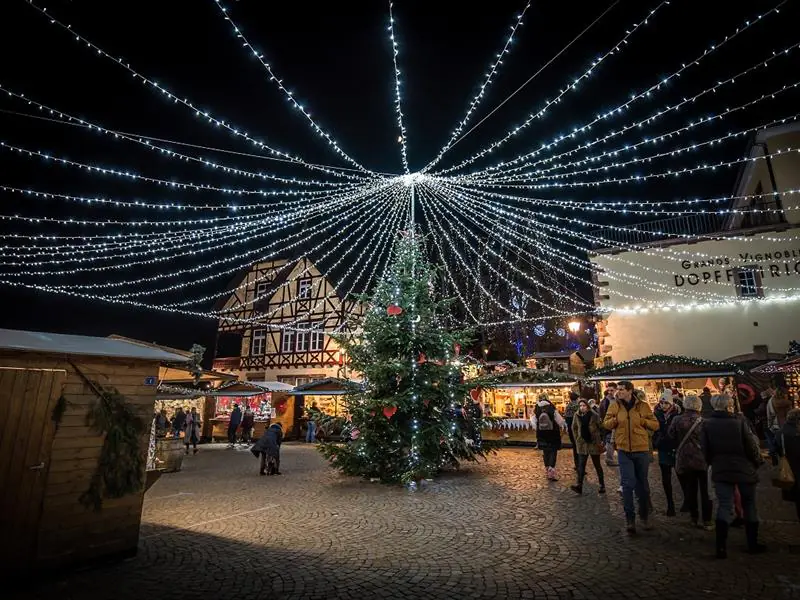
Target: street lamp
{"points": [[574, 326]]}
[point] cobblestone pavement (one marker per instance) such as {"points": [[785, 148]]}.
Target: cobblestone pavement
{"points": [[495, 530]]}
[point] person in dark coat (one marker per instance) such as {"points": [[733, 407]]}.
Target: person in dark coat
{"points": [[665, 412], [705, 398], [236, 420], [248, 422], [569, 415], [686, 433], [177, 422], [791, 449], [732, 452], [269, 445]]}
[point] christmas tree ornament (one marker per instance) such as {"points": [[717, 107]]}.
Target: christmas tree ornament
{"points": [[393, 310], [389, 411], [422, 359]]}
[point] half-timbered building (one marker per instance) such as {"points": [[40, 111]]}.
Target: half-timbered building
{"points": [[276, 323]]}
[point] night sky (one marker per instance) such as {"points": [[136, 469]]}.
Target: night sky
{"points": [[336, 58]]}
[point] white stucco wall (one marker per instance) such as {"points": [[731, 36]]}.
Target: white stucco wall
{"points": [[691, 305]]}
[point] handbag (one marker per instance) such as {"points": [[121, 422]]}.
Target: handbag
{"points": [[782, 476]]}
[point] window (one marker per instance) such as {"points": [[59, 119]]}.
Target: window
{"points": [[304, 289], [287, 341], [261, 289], [257, 342], [317, 336], [302, 339], [748, 282]]}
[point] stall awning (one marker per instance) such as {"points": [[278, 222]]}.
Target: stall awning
{"points": [[552, 384], [641, 376]]}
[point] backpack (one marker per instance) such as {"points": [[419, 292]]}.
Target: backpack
{"points": [[545, 418]]}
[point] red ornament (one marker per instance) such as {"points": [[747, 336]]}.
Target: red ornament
{"points": [[394, 310], [457, 349], [475, 394], [426, 402], [372, 413], [388, 411], [422, 359]]}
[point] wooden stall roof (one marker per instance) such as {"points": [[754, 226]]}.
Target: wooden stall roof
{"points": [[521, 376], [662, 366], [330, 386], [184, 374], [83, 345], [787, 365], [250, 388]]}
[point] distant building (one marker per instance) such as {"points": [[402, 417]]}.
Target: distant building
{"points": [[276, 324], [728, 289]]}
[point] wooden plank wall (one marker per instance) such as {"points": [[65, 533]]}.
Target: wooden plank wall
{"points": [[70, 533]]}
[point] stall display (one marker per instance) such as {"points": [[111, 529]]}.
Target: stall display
{"points": [[260, 404]]}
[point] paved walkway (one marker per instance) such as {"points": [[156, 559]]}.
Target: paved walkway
{"points": [[497, 530]]}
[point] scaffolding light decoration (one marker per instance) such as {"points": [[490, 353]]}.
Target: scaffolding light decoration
{"points": [[349, 215]]}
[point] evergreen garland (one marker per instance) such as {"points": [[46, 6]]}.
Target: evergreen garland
{"points": [[669, 359], [120, 468]]}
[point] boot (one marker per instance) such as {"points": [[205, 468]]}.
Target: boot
{"points": [[751, 531], [670, 508], [630, 525], [722, 539], [578, 489]]}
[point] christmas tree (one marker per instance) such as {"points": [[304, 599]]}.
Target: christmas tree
{"points": [[415, 414]]}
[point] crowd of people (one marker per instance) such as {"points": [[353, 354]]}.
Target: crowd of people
{"points": [[696, 438], [183, 423]]}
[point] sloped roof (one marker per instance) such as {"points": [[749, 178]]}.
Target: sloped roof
{"points": [[76, 345]]}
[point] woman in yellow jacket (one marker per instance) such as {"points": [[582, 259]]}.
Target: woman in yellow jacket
{"points": [[631, 419]]}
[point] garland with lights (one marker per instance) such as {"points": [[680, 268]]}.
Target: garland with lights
{"points": [[667, 359]]}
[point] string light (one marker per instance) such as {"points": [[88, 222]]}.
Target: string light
{"points": [[67, 118], [236, 131], [617, 110], [476, 100], [398, 105], [289, 95]]}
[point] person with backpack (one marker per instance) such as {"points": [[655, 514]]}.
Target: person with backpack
{"points": [[632, 420], [549, 424]]}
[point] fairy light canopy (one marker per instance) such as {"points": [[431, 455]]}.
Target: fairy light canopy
{"points": [[177, 160]]}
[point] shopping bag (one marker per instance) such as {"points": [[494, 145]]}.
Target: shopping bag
{"points": [[782, 476]]}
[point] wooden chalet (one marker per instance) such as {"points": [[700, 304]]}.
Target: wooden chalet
{"points": [[49, 455], [276, 321]]}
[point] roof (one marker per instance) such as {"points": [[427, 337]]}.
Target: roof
{"points": [[788, 365], [84, 345], [250, 388], [330, 386], [173, 373], [664, 366], [565, 354]]}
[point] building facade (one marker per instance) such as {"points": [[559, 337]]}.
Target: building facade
{"points": [[722, 287], [276, 324]]}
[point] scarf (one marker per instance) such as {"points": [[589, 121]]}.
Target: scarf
{"points": [[586, 432]]}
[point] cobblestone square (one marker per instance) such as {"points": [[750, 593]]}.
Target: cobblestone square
{"points": [[495, 530]]}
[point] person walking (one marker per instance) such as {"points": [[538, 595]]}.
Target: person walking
{"points": [[608, 398], [631, 420], [665, 412], [191, 430], [731, 450], [569, 415], [586, 431], [549, 424], [233, 425], [685, 430]]}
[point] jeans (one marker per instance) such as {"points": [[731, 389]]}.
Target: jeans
{"points": [[666, 482], [725, 492], [582, 460], [232, 434], [549, 455], [693, 482], [633, 468], [311, 433]]}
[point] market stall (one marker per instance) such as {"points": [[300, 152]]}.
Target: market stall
{"points": [[512, 399], [327, 394], [655, 373], [264, 398]]}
